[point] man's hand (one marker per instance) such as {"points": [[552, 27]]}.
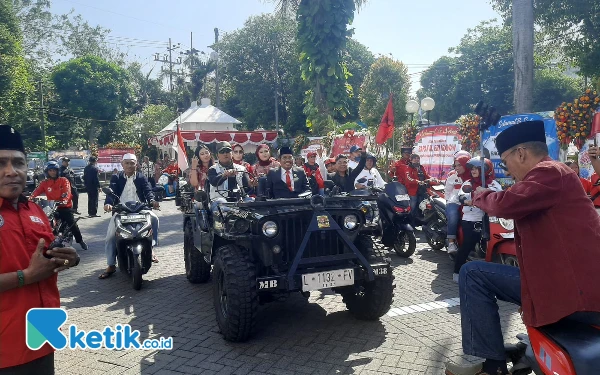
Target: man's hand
{"points": [[320, 152], [594, 152], [60, 255], [40, 267], [230, 173], [468, 203], [107, 208], [360, 186], [481, 189]]}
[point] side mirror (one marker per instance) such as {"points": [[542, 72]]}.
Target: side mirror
{"points": [[108, 191], [201, 196]]}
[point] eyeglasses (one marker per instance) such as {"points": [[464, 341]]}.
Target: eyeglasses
{"points": [[225, 151], [503, 161]]}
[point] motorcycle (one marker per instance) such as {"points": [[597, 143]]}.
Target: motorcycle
{"points": [[566, 348], [431, 216], [133, 238], [396, 231], [63, 236]]}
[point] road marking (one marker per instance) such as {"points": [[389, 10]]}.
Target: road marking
{"points": [[414, 309]]}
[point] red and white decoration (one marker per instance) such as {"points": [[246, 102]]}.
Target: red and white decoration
{"points": [[191, 137]]}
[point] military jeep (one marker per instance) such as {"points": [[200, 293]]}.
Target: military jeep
{"points": [[262, 251]]}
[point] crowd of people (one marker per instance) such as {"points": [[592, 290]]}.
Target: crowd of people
{"points": [[556, 229]]}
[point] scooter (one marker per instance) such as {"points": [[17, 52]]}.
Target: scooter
{"points": [[393, 205], [133, 238], [431, 216], [63, 236], [565, 348]]}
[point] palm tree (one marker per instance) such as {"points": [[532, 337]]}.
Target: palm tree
{"points": [[522, 16], [288, 8]]}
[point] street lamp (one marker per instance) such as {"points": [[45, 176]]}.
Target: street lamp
{"points": [[215, 57], [428, 105], [412, 107]]}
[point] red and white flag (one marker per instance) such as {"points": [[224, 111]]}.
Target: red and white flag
{"points": [[179, 147]]}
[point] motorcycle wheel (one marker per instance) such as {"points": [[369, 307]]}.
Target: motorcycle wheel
{"points": [[405, 244], [123, 262], [434, 244], [136, 272]]}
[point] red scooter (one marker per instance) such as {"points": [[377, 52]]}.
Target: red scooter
{"points": [[564, 348]]}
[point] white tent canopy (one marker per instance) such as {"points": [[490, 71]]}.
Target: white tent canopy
{"points": [[203, 117]]}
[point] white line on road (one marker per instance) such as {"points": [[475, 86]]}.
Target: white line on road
{"points": [[413, 309]]}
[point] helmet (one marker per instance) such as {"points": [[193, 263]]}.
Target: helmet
{"points": [[51, 165], [476, 162]]}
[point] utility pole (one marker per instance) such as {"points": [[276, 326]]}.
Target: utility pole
{"points": [[217, 68], [169, 61], [277, 111], [43, 124]]}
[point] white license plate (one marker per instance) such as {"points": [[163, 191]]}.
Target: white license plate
{"points": [[402, 197], [508, 235], [328, 279], [133, 218]]}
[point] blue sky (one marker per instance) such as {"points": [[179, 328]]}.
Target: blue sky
{"points": [[415, 32]]}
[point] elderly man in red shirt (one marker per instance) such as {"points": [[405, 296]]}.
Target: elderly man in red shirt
{"points": [[27, 277], [557, 232]]}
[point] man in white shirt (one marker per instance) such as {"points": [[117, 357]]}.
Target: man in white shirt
{"points": [[129, 186], [370, 173]]}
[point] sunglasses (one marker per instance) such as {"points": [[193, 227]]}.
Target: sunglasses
{"points": [[225, 151], [503, 161]]}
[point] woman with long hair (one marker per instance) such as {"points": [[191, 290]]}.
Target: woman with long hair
{"points": [[237, 152], [454, 181], [472, 220], [201, 162], [264, 161]]}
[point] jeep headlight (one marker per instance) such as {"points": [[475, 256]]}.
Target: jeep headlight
{"points": [[269, 229], [507, 224], [350, 222]]}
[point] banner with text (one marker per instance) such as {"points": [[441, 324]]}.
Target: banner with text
{"points": [[436, 145], [343, 142], [109, 159]]}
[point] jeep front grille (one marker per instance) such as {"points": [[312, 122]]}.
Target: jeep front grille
{"points": [[320, 244]]}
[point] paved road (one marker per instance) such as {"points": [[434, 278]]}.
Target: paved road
{"points": [[317, 336]]}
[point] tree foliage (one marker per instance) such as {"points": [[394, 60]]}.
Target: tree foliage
{"points": [[573, 26], [15, 87], [483, 70], [384, 77], [90, 87]]}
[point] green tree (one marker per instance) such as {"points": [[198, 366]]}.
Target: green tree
{"points": [[573, 27], [551, 87], [137, 128], [15, 87], [92, 88], [384, 77], [358, 60]]}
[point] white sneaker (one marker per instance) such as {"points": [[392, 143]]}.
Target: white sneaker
{"points": [[452, 248], [455, 277]]}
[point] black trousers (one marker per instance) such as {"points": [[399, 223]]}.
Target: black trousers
{"points": [[471, 233], [92, 201], [40, 366], [75, 198], [66, 215], [151, 181]]}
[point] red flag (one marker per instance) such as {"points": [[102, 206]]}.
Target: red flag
{"points": [[179, 147], [386, 128]]}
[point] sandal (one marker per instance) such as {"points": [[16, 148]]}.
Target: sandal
{"points": [[106, 274]]}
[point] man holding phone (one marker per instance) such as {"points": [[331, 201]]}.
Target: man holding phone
{"points": [[225, 175], [28, 279]]}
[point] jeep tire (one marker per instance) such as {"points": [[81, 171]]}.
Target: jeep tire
{"points": [[197, 270], [235, 295]]}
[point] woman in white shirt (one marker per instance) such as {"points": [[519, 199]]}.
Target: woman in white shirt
{"points": [[370, 173], [454, 181], [472, 220]]}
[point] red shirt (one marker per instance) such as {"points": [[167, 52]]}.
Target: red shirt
{"points": [[587, 184], [20, 231], [400, 170], [557, 235], [411, 178], [58, 190], [172, 169]]}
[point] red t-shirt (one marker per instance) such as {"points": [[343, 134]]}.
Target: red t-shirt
{"points": [[587, 184], [172, 169], [58, 190], [20, 231]]}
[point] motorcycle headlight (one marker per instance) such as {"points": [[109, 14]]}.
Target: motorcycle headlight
{"points": [[124, 233], [350, 222], [507, 224], [269, 229]]}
